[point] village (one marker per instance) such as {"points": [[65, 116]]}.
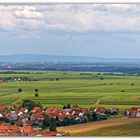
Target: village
{"points": [[30, 119]]}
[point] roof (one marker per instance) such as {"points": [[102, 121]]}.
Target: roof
{"points": [[38, 115], [23, 109], [26, 129], [133, 109], [13, 127], [100, 108], [84, 110], [3, 128], [37, 109], [13, 134], [7, 115]]}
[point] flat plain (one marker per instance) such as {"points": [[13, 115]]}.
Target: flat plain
{"points": [[86, 89]]}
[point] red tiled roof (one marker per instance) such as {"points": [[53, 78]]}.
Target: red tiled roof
{"points": [[13, 134], [38, 115], [13, 127], [7, 115], [26, 129], [133, 109], [36, 109], [100, 108], [23, 109], [48, 111], [84, 110], [30, 122], [3, 128]]}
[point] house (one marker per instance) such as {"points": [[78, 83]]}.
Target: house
{"points": [[53, 112], [24, 110], [1, 115], [84, 110], [132, 112], [1, 81], [26, 129], [30, 122], [36, 109], [37, 117], [13, 116], [99, 109]]}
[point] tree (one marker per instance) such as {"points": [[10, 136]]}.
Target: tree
{"points": [[57, 79], [68, 106], [132, 84], [64, 107], [52, 124], [19, 90], [39, 104], [102, 78], [36, 90], [28, 104], [122, 90], [36, 95], [94, 116]]}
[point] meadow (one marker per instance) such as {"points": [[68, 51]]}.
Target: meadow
{"points": [[86, 89]]}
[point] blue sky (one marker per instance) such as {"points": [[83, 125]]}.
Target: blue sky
{"points": [[98, 30]]}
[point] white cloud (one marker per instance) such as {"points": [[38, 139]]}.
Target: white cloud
{"points": [[71, 17], [28, 12]]}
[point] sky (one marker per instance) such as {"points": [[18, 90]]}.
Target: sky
{"points": [[96, 30]]}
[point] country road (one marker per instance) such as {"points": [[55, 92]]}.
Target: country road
{"points": [[96, 125]]}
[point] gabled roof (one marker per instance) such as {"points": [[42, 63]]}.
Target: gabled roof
{"points": [[26, 129], [84, 110], [13, 127], [133, 109], [7, 115], [3, 128], [38, 115], [23, 109], [36, 109]]}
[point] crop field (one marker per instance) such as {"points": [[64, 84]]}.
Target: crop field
{"points": [[111, 127], [130, 129], [86, 89]]}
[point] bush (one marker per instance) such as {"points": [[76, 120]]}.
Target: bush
{"points": [[19, 90], [122, 90], [102, 78], [132, 84], [36, 95], [30, 104]]}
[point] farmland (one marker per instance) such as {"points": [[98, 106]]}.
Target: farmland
{"points": [[111, 127], [87, 89]]}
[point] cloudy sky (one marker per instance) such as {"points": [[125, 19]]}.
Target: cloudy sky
{"points": [[101, 30]]}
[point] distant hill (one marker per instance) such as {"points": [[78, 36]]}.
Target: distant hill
{"points": [[62, 59]]}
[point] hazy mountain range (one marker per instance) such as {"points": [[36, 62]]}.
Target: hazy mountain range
{"points": [[62, 59]]}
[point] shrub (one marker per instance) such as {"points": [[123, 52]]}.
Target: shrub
{"points": [[122, 90], [36, 95], [132, 84], [102, 78]]}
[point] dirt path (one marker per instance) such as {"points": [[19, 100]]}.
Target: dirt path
{"points": [[96, 125], [97, 102]]}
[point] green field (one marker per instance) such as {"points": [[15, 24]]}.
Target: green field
{"points": [[86, 89]]}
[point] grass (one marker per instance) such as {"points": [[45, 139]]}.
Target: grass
{"points": [[131, 129], [82, 88]]}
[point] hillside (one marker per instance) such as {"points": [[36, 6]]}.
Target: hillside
{"points": [[62, 59]]}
